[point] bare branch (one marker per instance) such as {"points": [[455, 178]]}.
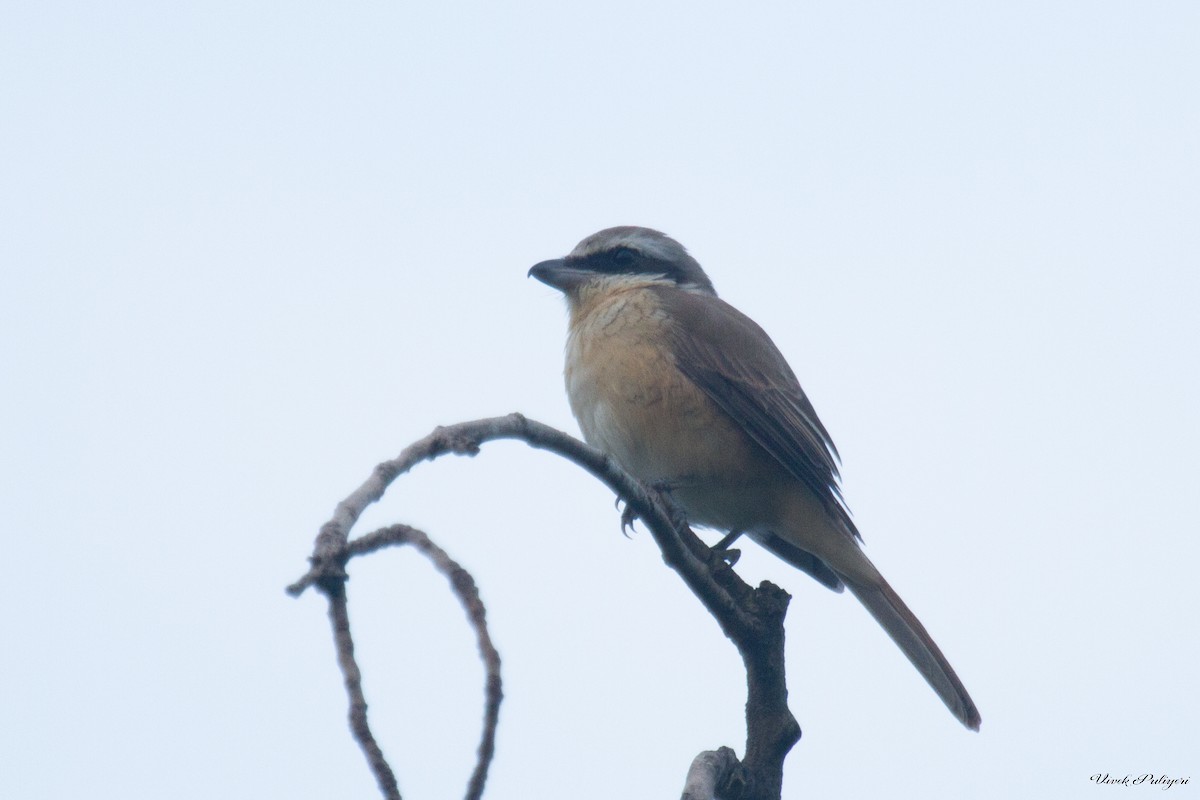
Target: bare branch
{"points": [[339, 619], [464, 588], [710, 771], [751, 618]]}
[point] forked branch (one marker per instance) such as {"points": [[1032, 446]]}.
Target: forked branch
{"points": [[751, 618]]}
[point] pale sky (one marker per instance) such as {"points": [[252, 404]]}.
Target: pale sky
{"points": [[250, 250]]}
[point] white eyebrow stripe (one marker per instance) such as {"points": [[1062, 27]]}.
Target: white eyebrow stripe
{"points": [[648, 243]]}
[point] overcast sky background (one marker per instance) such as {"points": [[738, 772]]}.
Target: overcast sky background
{"points": [[250, 250]]}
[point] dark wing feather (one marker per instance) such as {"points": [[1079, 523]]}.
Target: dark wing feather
{"points": [[802, 560], [735, 363]]}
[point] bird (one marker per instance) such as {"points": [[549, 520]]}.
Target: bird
{"points": [[686, 392]]}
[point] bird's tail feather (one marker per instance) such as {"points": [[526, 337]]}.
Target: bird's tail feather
{"points": [[907, 631]]}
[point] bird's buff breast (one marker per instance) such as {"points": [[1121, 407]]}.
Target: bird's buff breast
{"points": [[633, 403]]}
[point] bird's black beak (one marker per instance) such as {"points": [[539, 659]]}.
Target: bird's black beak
{"points": [[559, 273]]}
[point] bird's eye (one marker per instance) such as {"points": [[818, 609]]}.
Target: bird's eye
{"points": [[623, 256]]}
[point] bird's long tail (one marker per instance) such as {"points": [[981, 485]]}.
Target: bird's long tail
{"points": [[869, 586]]}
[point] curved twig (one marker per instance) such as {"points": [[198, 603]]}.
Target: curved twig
{"points": [[339, 620], [464, 588], [751, 618]]}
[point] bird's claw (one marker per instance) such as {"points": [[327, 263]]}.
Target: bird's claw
{"points": [[662, 488], [628, 517]]}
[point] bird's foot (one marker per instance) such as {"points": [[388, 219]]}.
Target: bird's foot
{"points": [[722, 549], [664, 488]]}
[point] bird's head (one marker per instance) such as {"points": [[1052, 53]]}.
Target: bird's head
{"points": [[627, 255]]}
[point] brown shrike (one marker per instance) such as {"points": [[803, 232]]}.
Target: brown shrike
{"points": [[684, 390]]}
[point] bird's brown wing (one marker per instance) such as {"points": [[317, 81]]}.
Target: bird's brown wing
{"points": [[735, 363]]}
